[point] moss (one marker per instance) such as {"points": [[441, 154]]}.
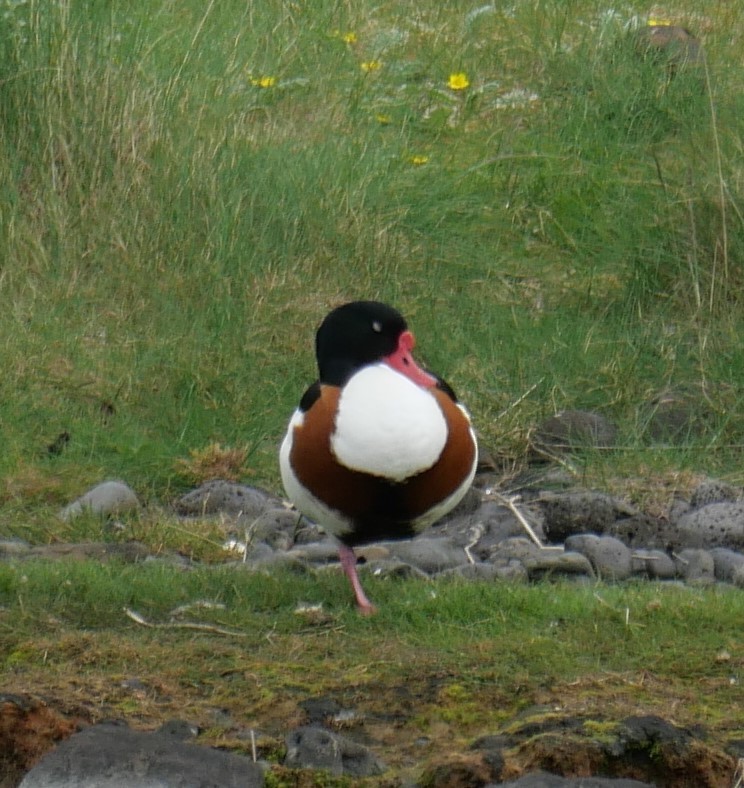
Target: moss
{"points": [[601, 731], [281, 777], [21, 657]]}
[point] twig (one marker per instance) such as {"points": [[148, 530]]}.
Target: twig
{"points": [[205, 604], [560, 459], [614, 609], [509, 503], [477, 532], [519, 399], [201, 627], [739, 774]]}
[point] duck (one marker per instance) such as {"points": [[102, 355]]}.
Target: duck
{"points": [[379, 447]]}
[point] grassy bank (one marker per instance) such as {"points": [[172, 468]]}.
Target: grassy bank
{"points": [[449, 662]]}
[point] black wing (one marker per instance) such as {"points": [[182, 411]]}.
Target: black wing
{"points": [[310, 397], [442, 385]]}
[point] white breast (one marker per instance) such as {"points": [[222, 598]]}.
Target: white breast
{"points": [[387, 425]]}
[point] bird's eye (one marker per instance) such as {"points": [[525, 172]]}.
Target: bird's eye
{"points": [[377, 327]]}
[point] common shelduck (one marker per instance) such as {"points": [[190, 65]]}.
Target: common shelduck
{"points": [[379, 448]]}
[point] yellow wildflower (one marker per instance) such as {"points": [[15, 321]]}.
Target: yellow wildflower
{"points": [[458, 81], [371, 65], [653, 22], [418, 160], [350, 37], [263, 82], [380, 117]]}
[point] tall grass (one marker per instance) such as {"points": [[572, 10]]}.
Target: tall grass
{"points": [[187, 189]]}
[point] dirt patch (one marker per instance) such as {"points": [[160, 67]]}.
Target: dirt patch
{"points": [[28, 729]]}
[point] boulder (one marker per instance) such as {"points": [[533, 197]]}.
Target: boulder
{"points": [[105, 499], [313, 747], [111, 755]]}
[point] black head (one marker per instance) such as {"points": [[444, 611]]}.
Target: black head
{"points": [[354, 335]]}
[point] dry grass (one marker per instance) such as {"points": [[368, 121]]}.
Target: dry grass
{"points": [[214, 462]]}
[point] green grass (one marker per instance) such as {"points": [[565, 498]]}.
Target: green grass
{"points": [[540, 629], [465, 656]]}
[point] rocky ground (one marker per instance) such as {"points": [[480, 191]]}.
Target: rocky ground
{"points": [[645, 750], [541, 525]]}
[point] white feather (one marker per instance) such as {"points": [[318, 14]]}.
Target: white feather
{"points": [[387, 425]]}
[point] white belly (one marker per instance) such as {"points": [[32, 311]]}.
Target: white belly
{"points": [[387, 425]]}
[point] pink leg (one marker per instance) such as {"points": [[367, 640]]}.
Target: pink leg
{"points": [[348, 562]]}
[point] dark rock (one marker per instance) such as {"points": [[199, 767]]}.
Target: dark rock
{"points": [[267, 560], [645, 732], [274, 527], [509, 570], [307, 532], [713, 491], [674, 417], [647, 749], [489, 524], [642, 531], [113, 756], [324, 552], [677, 508], [572, 430], [542, 562], [695, 566], [654, 564], [610, 558], [218, 496], [728, 565], [470, 503], [581, 511], [311, 747], [320, 710], [458, 771], [545, 780], [394, 568], [715, 525], [666, 754], [257, 553], [429, 554], [516, 549], [179, 729]]}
